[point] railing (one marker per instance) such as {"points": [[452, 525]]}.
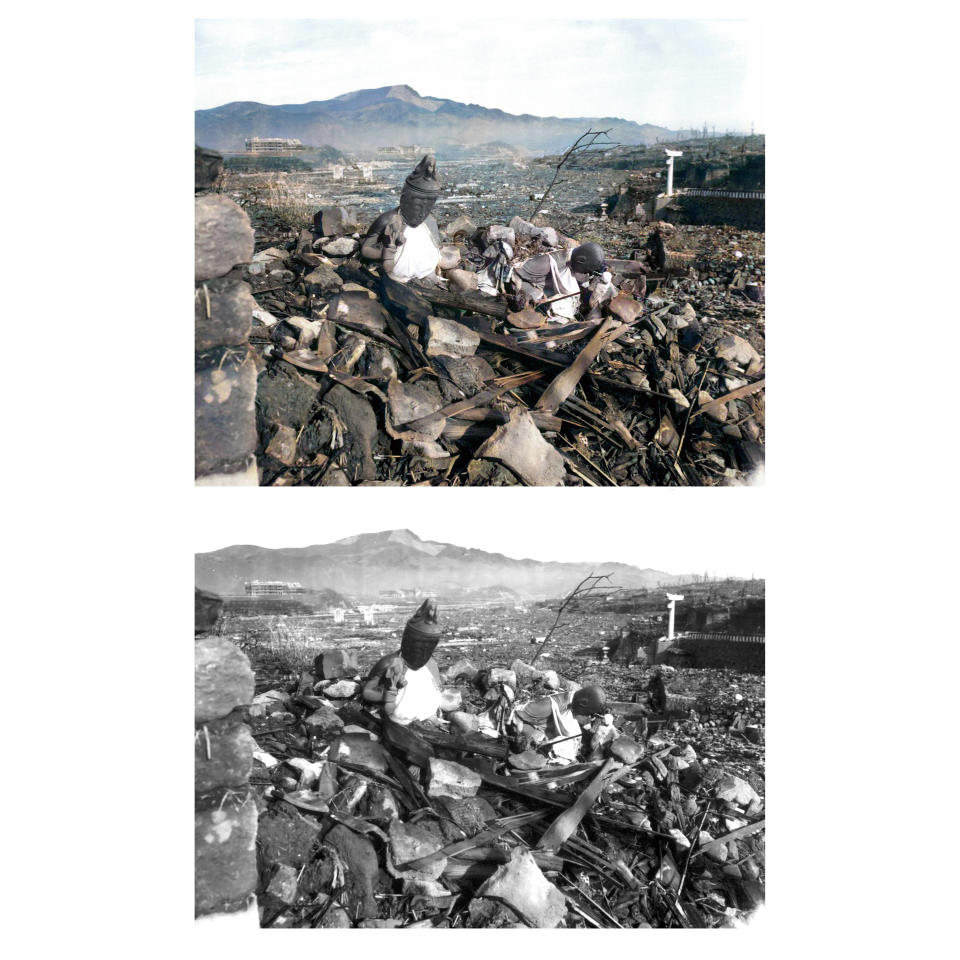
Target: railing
{"points": [[737, 638], [726, 194]]}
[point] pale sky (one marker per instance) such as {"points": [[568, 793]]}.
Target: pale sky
{"points": [[674, 530], [673, 73]]}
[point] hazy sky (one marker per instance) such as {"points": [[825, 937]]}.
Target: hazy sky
{"points": [[674, 73], [675, 530]]}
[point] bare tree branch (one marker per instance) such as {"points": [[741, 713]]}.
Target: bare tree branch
{"points": [[576, 592], [582, 144]]}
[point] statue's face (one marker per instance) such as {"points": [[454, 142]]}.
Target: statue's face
{"points": [[415, 208], [416, 651]]}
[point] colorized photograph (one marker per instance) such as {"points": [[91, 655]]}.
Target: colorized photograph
{"points": [[518, 271]]}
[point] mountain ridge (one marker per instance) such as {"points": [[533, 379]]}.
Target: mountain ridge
{"points": [[384, 116], [365, 564]]}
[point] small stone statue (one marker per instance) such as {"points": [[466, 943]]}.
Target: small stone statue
{"points": [[562, 272], [407, 239]]}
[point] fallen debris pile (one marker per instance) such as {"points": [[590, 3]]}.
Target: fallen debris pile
{"points": [[364, 380], [433, 825]]}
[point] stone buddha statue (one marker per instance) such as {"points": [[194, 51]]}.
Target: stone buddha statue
{"points": [[406, 239]]}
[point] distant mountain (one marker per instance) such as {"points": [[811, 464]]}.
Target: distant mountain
{"points": [[367, 119], [364, 565]]}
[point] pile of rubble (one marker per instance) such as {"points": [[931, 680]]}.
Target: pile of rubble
{"points": [[434, 825], [363, 380]]}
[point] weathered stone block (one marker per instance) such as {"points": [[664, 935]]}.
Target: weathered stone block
{"points": [[223, 756], [223, 679], [225, 425], [223, 313], [225, 862], [223, 236], [207, 168]]}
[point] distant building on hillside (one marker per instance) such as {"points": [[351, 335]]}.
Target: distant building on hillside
{"points": [[272, 145], [271, 588]]}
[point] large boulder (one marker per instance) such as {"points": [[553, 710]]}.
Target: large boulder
{"points": [[223, 236]]}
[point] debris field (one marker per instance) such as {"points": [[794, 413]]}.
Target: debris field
{"points": [[434, 825], [363, 380]]}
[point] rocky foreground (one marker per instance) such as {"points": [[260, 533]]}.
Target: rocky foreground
{"points": [[441, 827], [362, 381]]}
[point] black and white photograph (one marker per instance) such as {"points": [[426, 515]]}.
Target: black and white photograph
{"points": [[398, 732]]}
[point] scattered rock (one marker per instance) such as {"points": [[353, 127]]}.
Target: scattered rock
{"points": [[462, 668], [322, 279], [341, 247], [360, 860], [521, 885], [283, 446], [525, 673], [336, 221], [500, 675], [519, 445], [737, 350], [550, 680], [323, 723], [342, 689], [283, 836], [413, 401], [411, 841], [462, 279], [491, 914], [336, 664], [626, 749], [463, 226], [283, 884], [452, 701], [449, 779], [737, 791], [464, 722], [447, 338], [528, 760], [360, 749]]}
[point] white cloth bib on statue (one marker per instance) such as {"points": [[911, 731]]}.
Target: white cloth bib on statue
{"points": [[419, 699], [418, 256]]}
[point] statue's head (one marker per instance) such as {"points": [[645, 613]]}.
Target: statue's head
{"points": [[587, 258], [420, 636], [588, 701], [420, 192]]}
